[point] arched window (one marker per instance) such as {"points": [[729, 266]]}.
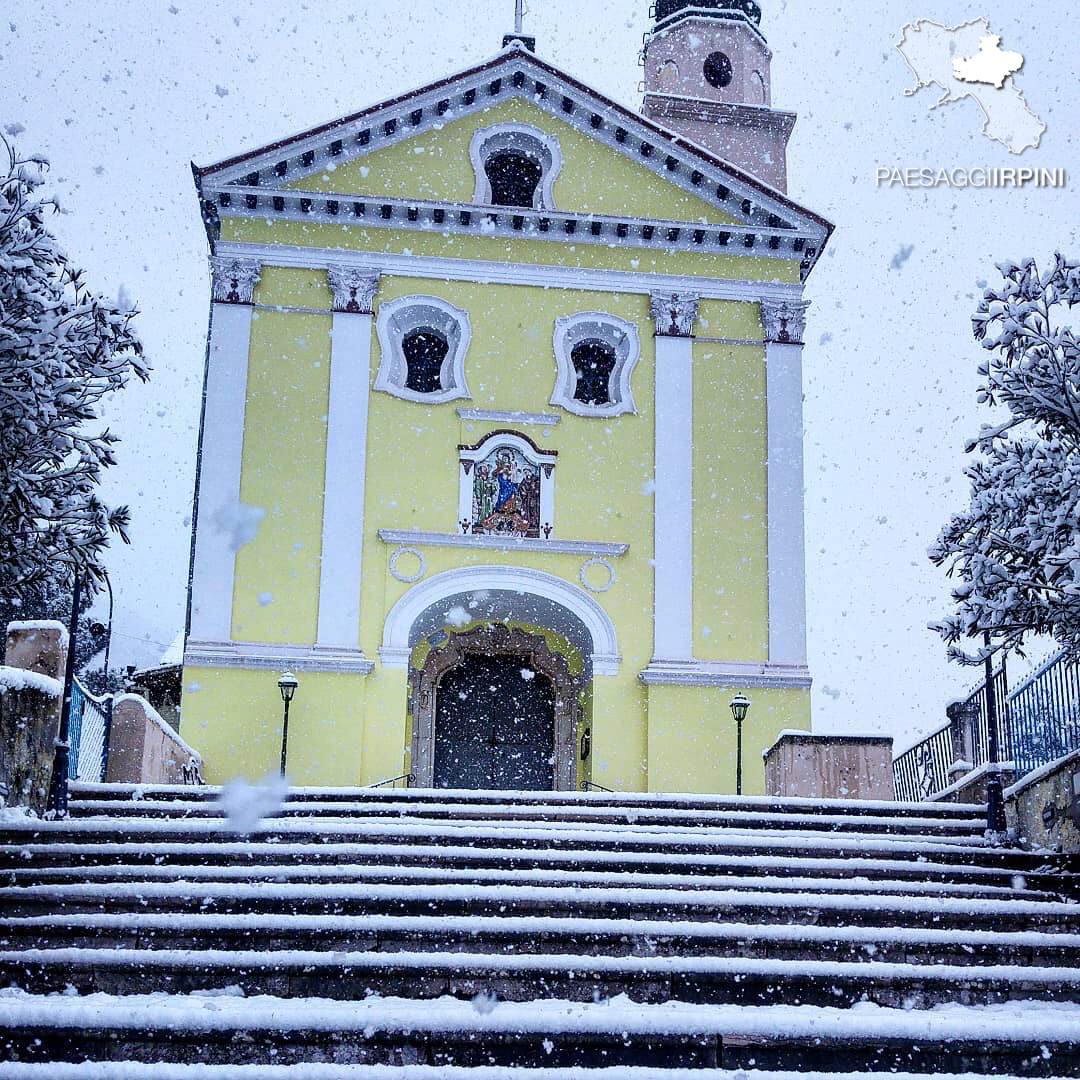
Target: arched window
{"points": [[514, 178], [515, 165], [596, 354], [422, 345], [425, 350], [594, 361]]}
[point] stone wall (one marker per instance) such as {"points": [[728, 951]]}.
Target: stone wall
{"points": [[31, 692], [143, 749], [801, 765], [1044, 807]]}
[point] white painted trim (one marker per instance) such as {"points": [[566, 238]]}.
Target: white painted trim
{"points": [[217, 535], [420, 216], [341, 572], [543, 461], [396, 318], [246, 654], [787, 531], [503, 543], [537, 143], [396, 648], [407, 579], [674, 500], [509, 416], [583, 574], [707, 673], [513, 273], [621, 335]]}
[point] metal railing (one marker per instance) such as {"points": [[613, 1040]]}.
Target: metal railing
{"points": [[393, 782], [1044, 714], [91, 725], [1038, 722]]}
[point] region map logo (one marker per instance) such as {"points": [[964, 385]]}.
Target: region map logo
{"points": [[967, 61]]}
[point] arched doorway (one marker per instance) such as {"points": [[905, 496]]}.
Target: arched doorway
{"points": [[495, 708]]}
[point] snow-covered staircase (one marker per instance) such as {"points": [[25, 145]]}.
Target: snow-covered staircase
{"points": [[410, 935]]}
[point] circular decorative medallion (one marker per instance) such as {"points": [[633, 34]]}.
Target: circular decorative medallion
{"points": [[408, 579], [588, 565]]}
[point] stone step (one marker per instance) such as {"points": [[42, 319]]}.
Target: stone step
{"points": [[132, 1070], [570, 814], [1020, 1038], [556, 901], [526, 836], [387, 873], [547, 799], [1037, 873], [350, 976], [502, 934]]}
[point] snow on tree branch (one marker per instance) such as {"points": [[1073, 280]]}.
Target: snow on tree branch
{"points": [[62, 349], [1015, 551]]}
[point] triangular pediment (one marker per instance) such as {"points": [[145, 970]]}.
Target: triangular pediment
{"points": [[405, 163]]}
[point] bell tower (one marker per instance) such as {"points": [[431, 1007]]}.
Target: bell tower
{"points": [[707, 76]]}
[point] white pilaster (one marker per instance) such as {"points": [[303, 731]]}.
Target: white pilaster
{"points": [[785, 323], [220, 516], [346, 458], [673, 626]]}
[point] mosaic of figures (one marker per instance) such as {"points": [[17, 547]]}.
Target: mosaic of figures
{"points": [[506, 495]]}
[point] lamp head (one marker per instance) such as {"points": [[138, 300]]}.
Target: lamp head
{"points": [[287, 684], [740, 705]]}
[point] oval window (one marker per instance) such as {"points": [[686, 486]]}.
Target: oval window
{"points": [[718, 70]]}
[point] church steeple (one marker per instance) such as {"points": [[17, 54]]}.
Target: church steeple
{"points": [[708, 76]]}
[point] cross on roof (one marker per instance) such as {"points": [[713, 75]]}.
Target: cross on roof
{"points": [[519, 16]]}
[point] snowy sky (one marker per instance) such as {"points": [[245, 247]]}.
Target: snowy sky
{"points": [[122, 94]]}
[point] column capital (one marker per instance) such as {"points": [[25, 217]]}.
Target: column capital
{"points": [[784, 321], [675, 313], [353, 288], [233, 279]]}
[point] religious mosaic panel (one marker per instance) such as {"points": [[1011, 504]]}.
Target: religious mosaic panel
{"points": [[506, 494], [507, 488]]}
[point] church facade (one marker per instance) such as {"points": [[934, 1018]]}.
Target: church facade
{"points": [[501, 449]]}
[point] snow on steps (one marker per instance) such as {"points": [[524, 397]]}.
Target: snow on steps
{"points": [[651, 931], [559, 1033], [133, 1070]]}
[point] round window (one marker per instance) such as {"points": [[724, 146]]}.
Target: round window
{"points": [[718, 70]]}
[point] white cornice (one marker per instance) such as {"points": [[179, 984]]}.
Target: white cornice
{"points": [[425, 216], [246, 654], [509, 416], [511, 273], [418, 538], [734, 675]]}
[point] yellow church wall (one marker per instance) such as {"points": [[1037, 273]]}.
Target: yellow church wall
{"points": [[284, 459], [731, 588], [267, 231], [692, 739], [233, 717], [594, 179]]}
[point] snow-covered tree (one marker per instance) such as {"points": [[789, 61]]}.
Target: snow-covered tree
{"points": [[1015, 551], [62, 349]]}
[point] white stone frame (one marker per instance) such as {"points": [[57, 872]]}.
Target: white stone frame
{"points": [[534, 141], [544, 460], [396, 648], [621, 335], [395, 320]]}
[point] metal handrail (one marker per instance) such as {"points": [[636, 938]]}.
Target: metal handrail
{"points": [[408, 777], [588, 785]]}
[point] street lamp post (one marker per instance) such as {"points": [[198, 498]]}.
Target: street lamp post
{"points": [[740, 705], [287, 684], [996, 824], [56, 803]]}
